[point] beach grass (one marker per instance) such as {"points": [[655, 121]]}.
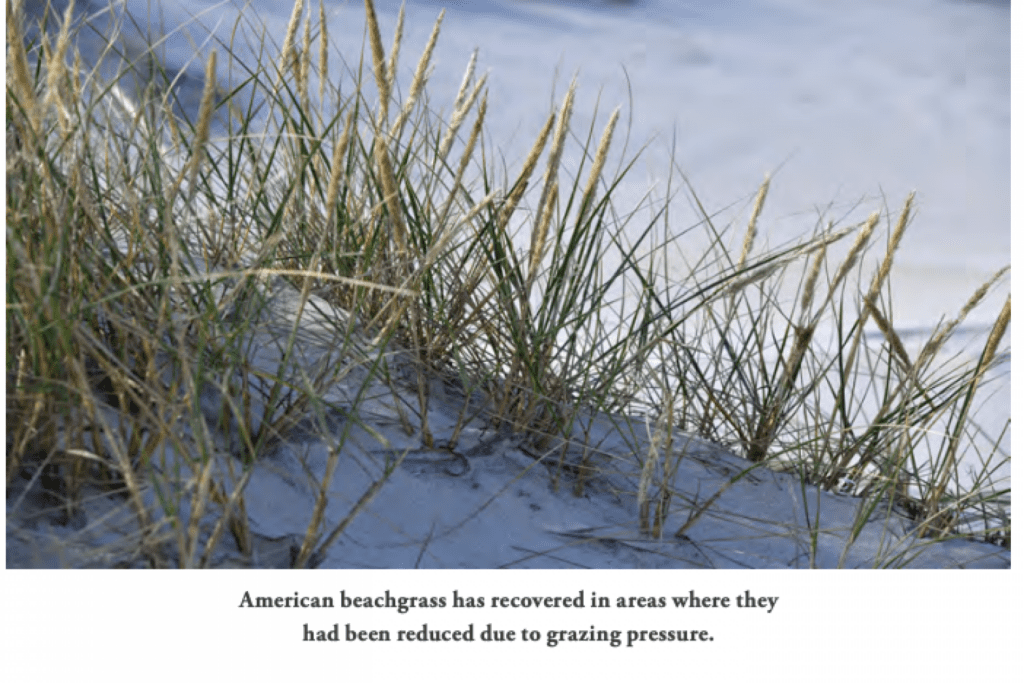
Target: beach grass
{"points": [[145, 247]]}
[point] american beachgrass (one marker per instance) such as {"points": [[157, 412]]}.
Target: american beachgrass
{"points": [[142, 251]]}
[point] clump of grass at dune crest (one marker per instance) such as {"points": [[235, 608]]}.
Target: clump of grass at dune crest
{"points": [[143, 246]]}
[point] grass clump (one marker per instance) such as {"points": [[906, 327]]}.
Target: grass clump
{"points": [[148, 250]]}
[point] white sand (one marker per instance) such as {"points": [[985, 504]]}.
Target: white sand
{"points": [[489, 500]]}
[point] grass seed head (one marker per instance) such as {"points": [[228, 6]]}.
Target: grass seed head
{"points": [[289, 58], [748, 239], [590, 188]]}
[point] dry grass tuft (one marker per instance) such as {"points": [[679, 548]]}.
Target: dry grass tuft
{"points": [[145, 249]]}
